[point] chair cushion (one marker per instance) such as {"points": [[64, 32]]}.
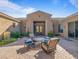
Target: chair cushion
{"points": [[28, 42]]}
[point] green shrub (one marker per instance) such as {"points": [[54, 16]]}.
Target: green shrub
{"points": [[15, 34], [26, 34], [7, 41], [50, 34]]}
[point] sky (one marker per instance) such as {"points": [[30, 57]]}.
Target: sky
{"points": [[20, 8]]}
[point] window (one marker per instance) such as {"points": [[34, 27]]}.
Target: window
{"points": [[60, 28], [73, 29], [13, 25], [37, 28], [41, 29], [76, 29]]}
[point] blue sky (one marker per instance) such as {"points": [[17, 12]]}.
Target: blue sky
{"points": [[20, 8]]}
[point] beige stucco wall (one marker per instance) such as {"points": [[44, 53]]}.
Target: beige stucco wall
{"points": [[64, 22], [26, 24], [51, 24], [23, 26], [71, 18], [56, 22], [6, 25], [35, 17], [65, 31], [16, 28]]}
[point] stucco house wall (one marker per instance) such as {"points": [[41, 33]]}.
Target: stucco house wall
{"points": [[56, 22], [6, 24], [51, 24], [16, 28], [71, 18], [39, 16], [27, 24]]}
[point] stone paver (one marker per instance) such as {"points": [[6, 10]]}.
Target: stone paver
{"points": [[70, 46], [17, 51]]}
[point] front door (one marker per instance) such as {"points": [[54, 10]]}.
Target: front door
{"points": [[39, 28]]}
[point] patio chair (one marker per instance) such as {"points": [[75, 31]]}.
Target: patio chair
{"points": [[28, 43], [50, 45]]}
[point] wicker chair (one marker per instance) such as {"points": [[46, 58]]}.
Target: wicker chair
{"points": [[50, 46]]}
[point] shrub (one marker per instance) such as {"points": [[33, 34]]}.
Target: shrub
{"points": [[7, 41], [15, 34], [26, 34], [50, 34]]}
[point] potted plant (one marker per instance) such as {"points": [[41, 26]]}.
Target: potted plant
{"points": [[50, 34]]}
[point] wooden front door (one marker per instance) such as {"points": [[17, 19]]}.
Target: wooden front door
{"points": [[39, 28]]}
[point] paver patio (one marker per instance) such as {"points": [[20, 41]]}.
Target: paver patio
{"points": [[65, 50]]}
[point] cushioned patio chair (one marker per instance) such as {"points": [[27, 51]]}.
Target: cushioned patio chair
{"points": [[50, 45], [28, 43]]}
